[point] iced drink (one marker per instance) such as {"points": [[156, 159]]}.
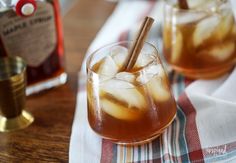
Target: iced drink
{"points": [[128, 107], [200, 42]]}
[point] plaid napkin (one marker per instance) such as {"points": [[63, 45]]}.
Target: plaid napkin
{"points": [[204, 129]]}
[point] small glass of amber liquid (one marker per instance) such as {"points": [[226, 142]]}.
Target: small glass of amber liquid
{"points": [[200, 42], [128, 107]]}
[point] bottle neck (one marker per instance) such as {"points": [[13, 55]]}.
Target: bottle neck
{"points": [[22, 8]]}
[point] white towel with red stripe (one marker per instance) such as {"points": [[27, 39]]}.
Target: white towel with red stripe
{"points": [[205, 126]]}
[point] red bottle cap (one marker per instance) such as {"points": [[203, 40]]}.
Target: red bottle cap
{"points": [[25, 7]]}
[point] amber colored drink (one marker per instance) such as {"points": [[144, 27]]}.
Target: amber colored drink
{"points": [[128, 107], [200, 42]]}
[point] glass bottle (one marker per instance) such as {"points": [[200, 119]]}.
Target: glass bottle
{"points": [[33, 30]]}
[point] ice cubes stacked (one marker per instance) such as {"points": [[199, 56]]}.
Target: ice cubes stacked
{"points": [[126, 95], [212, 22]]}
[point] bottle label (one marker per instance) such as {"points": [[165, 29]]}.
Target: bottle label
{"points": [[33, 38]]}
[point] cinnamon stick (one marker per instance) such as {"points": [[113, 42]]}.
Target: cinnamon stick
{"points": [[138, 44], [183, 4]]}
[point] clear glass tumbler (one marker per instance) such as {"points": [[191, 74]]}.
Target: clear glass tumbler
{"points": [[200, 41], [128, 107]]}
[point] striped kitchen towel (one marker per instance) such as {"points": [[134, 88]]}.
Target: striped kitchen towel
{"points": [[204, 129]]}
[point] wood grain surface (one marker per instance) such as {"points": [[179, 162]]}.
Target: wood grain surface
{"points": [[47, 139]]}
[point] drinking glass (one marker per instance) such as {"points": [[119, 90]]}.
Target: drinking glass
{"points": [[200, 41], [12, 95], [128, 107]]}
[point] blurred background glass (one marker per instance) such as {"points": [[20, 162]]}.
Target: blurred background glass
{"points": [[66, 5]]}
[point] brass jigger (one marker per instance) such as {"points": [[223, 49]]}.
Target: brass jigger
{"points": [[12, 95]]}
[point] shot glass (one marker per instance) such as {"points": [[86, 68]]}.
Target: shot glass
{"points": [[200, 42], [12, 95], [132, 107]]}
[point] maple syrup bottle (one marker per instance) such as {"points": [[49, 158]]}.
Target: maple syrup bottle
{"points": [[33, 30]]}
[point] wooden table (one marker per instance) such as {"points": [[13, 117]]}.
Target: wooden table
{"points": [[47, 139]]}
